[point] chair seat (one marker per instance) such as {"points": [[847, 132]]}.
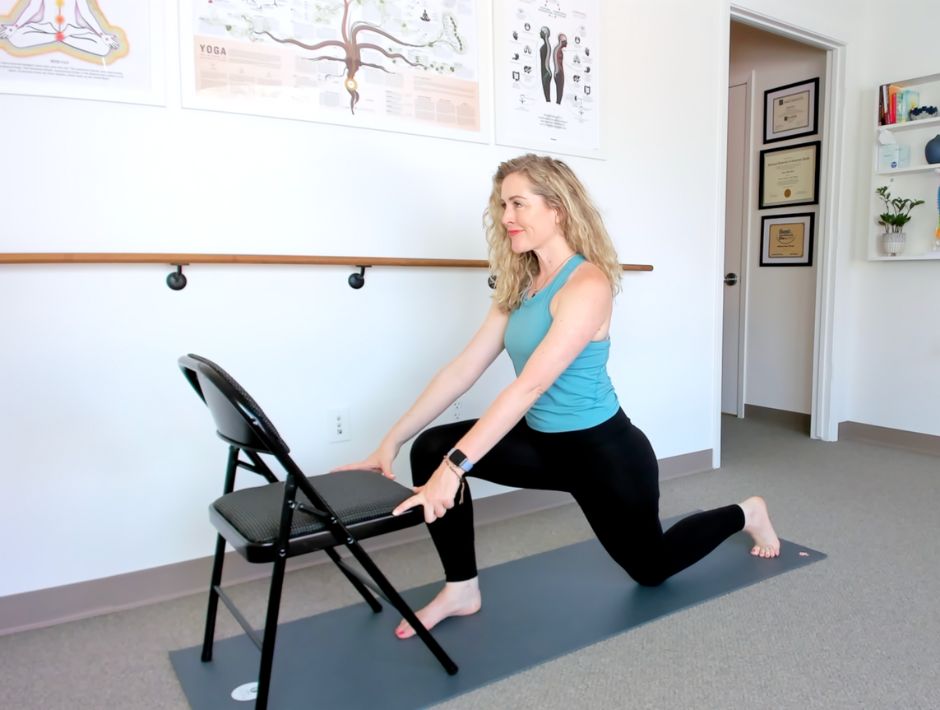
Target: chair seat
{"points": [[363, 501]]}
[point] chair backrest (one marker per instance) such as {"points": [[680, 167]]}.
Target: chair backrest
{"points": [[238, 418], [242, 424]]}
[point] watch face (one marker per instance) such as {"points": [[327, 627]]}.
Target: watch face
{"points": [[458, 458]]}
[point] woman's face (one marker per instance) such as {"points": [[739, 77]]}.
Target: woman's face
{"points": [[529, 221]]}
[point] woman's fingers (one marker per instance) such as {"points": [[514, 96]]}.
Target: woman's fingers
{"points": [[408, 504], [369, 464], [356, 466], [432, 511]]}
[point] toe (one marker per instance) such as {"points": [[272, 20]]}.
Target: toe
{"points": [[404, 630]]}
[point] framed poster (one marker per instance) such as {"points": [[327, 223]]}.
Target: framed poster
{"points": [[105, 50], [789, 176], [394, 66], [791, 111], [787, 240], [547, 60]]}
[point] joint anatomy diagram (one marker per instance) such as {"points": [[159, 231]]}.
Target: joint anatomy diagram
{"points": [[77, 28], [412, 60], [547, 74]]}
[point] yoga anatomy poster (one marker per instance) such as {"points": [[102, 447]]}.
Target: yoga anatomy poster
{"points": [[408, 66], [90, 49], [547, 83]]}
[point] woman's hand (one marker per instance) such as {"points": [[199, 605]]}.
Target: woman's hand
{"points": [[437, 495], [379, 460]]}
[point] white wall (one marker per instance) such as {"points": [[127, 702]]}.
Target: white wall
{"points": [[895, 349], [885, 349], [780, 301], [110, 459]]}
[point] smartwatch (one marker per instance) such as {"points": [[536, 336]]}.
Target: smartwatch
{"points": [[460, 460]]}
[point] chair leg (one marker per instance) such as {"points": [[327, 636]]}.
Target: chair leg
{"points": [[401, 605], [270, 633], [360, 587], [211, 612]]}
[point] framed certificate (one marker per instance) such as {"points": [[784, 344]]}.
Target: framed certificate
{"points": [[789, 176], [791, 111], [787, 240]]}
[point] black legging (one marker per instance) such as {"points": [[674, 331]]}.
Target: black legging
{"points": [[611, 471]]}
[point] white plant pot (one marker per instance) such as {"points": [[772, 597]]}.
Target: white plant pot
{"points": [[893, 243]]}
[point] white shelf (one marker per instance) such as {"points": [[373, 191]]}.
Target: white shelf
{"points": [[928, 256], [915, 169], [918, 181], [906, 125], [916, 81]]}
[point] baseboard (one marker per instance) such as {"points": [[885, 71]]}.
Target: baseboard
{"points": [[71, 602], [685, 464], [897, 438], [792, 420]]}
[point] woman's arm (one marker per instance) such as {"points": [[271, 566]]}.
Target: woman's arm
{"points": [[582, 310], [453, 380]]}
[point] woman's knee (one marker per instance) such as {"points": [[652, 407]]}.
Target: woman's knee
{"points": [[430, 448], [647, 577]]}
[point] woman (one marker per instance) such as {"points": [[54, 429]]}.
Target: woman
{"points": [[558, 425]]}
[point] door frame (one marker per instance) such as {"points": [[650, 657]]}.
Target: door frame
{"points": [[822, 419], [748, 81]]}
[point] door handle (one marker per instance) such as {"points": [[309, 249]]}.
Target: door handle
{"points": [[731, 279]]}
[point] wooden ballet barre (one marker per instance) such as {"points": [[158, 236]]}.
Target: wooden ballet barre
{"points": [[177, 280]]}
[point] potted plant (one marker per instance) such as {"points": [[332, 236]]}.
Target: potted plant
{"points": [[897, 213]]}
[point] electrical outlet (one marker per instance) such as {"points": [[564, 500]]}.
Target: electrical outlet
{"points": [[337, 424], [455, 411]]}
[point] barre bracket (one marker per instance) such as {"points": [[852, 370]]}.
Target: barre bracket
{"points": [[357, 281], [176, 280]]}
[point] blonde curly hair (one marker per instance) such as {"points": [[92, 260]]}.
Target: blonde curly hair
{"points": [[581, 224]]}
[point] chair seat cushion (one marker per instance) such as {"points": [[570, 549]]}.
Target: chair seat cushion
{"points": [[356, 496]]}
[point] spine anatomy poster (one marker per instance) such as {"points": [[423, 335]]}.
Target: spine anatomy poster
{"points": [[88, 49], [547, 83], [408, 66]]}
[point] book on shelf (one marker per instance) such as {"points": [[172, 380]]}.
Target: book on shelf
{"points": [[895, 104]]}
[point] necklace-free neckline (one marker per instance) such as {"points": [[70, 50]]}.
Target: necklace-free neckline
{"points": [[533, 292]]}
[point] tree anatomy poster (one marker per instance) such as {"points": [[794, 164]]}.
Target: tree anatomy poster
{"points": [[547, 68], [409, 66], [94, 49]]}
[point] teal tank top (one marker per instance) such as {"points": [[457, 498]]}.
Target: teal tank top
{"points": [[583, 395]]}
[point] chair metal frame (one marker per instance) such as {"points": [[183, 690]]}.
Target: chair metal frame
{"points": [[242, 424]]}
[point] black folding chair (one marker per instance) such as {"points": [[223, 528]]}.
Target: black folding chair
{"points": [[284, 519]]}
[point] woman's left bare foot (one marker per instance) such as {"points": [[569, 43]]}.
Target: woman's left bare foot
{"points": [[757, 525], [455, 599]]}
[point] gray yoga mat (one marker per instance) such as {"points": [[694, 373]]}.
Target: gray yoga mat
{"points": [[350, 658]]}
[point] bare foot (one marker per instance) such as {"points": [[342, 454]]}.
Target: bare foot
{"points": [[757, 525], [455, 599]]}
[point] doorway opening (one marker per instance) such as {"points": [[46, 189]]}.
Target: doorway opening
{"points": [[777, 323]]}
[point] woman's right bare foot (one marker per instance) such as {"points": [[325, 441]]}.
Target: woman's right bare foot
{"points": [[455, 599], [757, 525]]}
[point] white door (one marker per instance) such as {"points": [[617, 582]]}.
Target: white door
{"points": [[732, 398]]}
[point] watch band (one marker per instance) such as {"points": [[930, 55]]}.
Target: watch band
{"points": [[460, 460]]}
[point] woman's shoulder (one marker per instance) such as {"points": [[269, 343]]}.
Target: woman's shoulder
{"points": [[588, 275], [587, 280]]}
